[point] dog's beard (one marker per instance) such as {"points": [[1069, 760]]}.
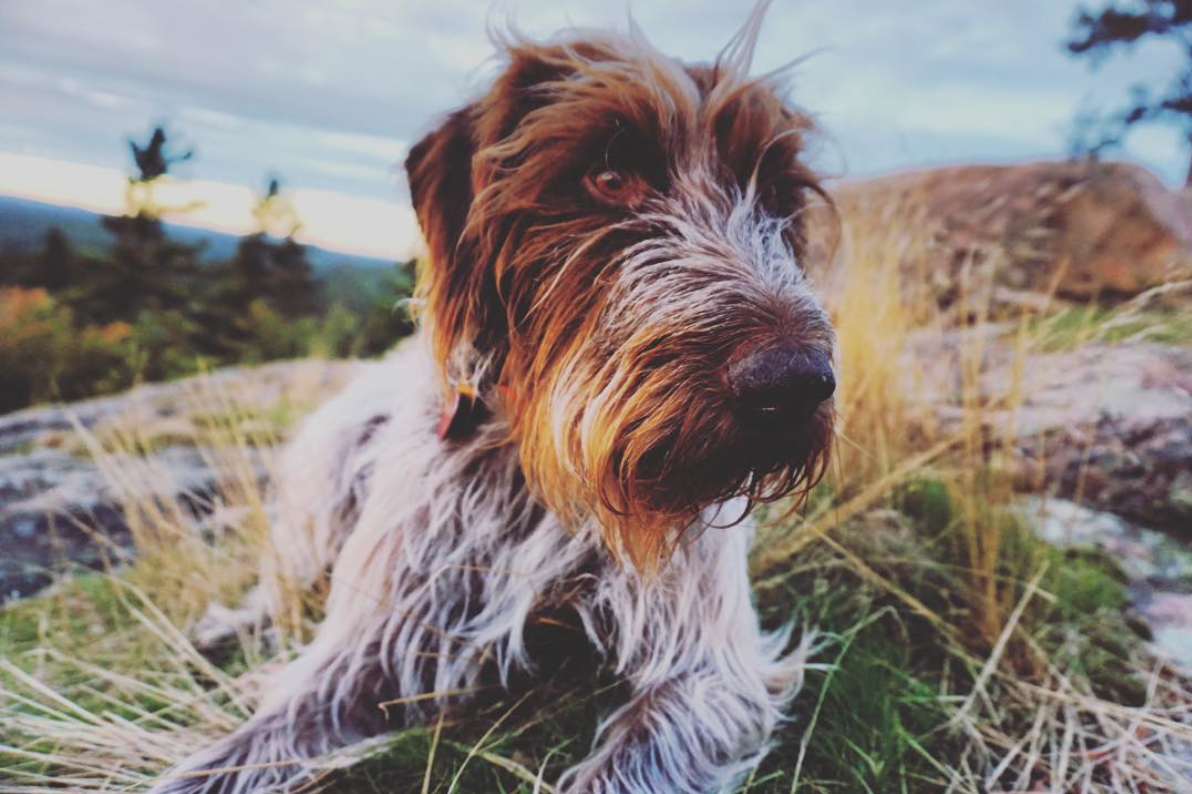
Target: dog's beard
{"points": [[643, 457]]}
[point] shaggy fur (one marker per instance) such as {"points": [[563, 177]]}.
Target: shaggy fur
{"points": [[612, 235]]}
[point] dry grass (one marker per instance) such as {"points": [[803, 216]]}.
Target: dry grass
{"points": [[965, 655], [1028, 722]]}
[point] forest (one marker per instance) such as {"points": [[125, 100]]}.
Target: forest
{"points": [[76, 322]]}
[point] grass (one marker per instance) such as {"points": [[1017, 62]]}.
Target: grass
{"points": [[1080, 325], [958, 652], [1158, 315], [875, 716]]}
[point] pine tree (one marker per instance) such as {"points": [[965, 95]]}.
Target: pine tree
{"points": [[266, 286], [270, 264], [388, 319], [55, 266], [145, 270]]}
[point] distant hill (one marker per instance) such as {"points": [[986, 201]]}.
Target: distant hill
{"points": [[348, 279]]}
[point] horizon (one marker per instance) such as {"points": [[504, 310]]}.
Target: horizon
{"points": [[334, 102]]}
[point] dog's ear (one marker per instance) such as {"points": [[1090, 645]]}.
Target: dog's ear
{"points": [[439, 172], [439, 168], [455, 282]]}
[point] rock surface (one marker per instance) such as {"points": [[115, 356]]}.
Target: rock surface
{"points": [[1103, 433], [59, 508], [1157, 568], [1108, 425], [1086, 229], [1111, 426]]}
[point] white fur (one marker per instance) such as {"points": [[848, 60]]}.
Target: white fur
{"points": [[441, 560]]}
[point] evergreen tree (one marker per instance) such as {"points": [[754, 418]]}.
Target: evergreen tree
{"points": [[388, 320], [270, 264], [265, 286], [145, 270], [16, 267], [55, 266], [152, 160]]}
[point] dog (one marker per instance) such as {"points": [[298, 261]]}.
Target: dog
{"points": [[618, 357]]}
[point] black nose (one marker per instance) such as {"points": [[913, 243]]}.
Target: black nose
{"points": [[781, 380]]}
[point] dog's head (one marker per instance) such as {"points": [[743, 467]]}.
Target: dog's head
{"points": [[615, 241]]}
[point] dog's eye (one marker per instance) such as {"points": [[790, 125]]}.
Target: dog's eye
{"points": [[609, 182], [611, 187]]}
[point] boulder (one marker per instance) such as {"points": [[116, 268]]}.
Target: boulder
{"points": [[60, 509], [1083, 229], [1107, 425], [1112, 426]]}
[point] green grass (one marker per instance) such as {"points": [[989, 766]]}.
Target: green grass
{"points": [[873, 716], [1078, 325], [80, 614]]}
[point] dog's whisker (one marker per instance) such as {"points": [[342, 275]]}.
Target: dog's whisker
{"points": [[840, 434]]}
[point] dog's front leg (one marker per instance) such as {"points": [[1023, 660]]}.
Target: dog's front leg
{"points": [[708, 684], [379, 650], [693, 735], [321, 702]]}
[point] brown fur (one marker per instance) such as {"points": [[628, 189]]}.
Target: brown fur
{"points": [[516, 281]]}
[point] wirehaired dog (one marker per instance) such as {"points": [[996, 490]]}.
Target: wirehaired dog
{"points": [[619, 356]]}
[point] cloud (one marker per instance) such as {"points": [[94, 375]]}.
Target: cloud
{"points": [[330, 93], [338, 221], [359, 225]]}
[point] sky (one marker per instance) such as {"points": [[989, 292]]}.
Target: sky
{"points": [[329, 94]]}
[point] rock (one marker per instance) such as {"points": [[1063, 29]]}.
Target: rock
{"points": [[61, 510], [1157, 568], [264, 385], [1107, 425], [1170, 618], [1112, 426], [58, 508], [1108, 230]]}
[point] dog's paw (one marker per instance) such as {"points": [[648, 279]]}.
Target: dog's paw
{"points": [[221, 626]]}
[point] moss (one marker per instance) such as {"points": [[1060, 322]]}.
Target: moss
{"points": [[1088, 628], [1085, 583], [927, 502], [81, 607]]}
